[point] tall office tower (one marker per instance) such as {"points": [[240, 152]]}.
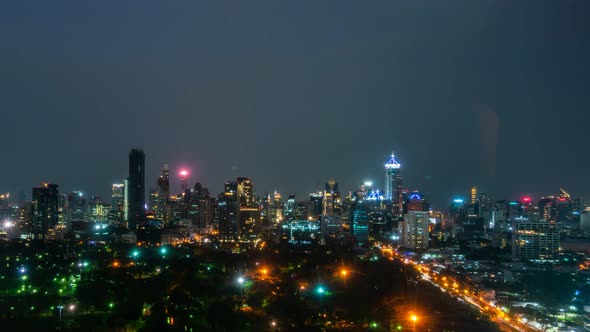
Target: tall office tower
{"points": [[276, 214], [359, 222], [245, 192], [160, 195], [535, 240], [118, 202], [563, 206], [331, 197], [76, 207], [547, 208], [473, 195], [126, 201], [414, 232], [227, 213], [24, 217], [98, 211], [183, 174], [62, 210], [164, 181], [45, 209], [136, 191], [200, 210], [316, 203], [289, 208], [248, 213], [457, 212], [266, 209], [393, 185]]}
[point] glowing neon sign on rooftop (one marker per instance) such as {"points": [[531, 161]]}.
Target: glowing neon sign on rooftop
{"points": [[392, 163]]}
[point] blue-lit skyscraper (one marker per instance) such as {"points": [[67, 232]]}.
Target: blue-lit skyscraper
{"points": [[359, 223], [393, 185]]}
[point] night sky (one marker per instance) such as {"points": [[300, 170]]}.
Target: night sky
{"points": [[291, 93]]}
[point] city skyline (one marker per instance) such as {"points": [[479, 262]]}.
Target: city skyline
{"points": [[183, 172]]}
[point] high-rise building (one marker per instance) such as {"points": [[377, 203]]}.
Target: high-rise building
{"points": [[473, 195], [535, 240], [289, 208], [136, 188], [359, 223], [331, 197], [200, 209], [98, 211], [160, 195], [76, 207], [164, 181], [248, 210], [316, 202], [457, 212], [414, 230], [118, 202], [415, 201], [393, 185], [276, 213], [45, 209], [227, 213]]}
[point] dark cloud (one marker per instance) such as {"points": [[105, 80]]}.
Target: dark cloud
{"points": [[292, 94]]}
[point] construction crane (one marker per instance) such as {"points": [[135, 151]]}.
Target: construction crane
{"points": [[564, 193]]}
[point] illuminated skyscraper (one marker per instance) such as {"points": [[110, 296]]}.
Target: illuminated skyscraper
{"points": [[535, 240], [227, 213], [76, 207], [164, 181], [359, 223], [160, 195], [276, 213], [118, 201], [393, 185], [45, 209], [316, 205], [126, 200], [331, 198], [248, 211], [183, 174], [136, 187], [414, 232], [200, 209]]}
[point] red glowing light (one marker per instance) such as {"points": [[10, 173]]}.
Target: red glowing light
{"points": [[526, 199], [183, 172]]}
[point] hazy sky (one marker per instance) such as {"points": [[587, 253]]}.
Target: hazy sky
{"points": [[291, 93]]}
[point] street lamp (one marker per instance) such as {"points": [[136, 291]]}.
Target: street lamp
{"points": [[241, 281], [60, 307], [344, 274], [414, 319]]}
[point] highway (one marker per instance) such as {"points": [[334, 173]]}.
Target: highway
{"points": [[460, 291]]}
